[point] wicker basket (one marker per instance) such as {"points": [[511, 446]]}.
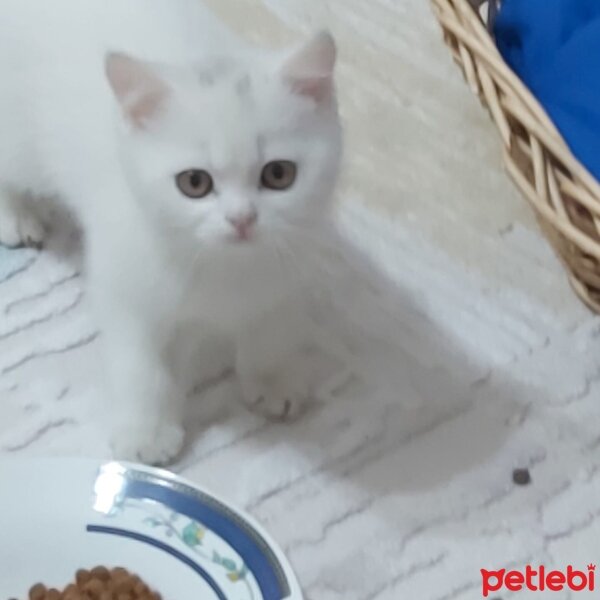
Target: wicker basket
{"points": [[564, 195]]}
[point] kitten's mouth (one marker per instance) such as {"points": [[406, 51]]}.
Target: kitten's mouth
{"points": [[246, 237]]}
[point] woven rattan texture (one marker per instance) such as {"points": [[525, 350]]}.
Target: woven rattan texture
{"points": [[565, 197]]}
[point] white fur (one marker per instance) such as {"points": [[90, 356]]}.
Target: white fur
{"points": [[158, 262]]}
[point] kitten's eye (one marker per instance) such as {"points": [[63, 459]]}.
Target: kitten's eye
{"points": [[279, 175], [194, 183]]}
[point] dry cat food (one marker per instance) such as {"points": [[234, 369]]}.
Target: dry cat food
{"points": [[100, 583]]}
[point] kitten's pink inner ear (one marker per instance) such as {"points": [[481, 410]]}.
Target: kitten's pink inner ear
{"points": [[138, 89], [310, 69]]}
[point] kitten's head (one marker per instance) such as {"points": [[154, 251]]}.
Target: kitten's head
{"points": [[234, 152]]}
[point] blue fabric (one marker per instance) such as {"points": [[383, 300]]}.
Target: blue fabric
{"points": [[554, 47]]}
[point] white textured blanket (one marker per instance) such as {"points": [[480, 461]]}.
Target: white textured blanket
{"points": [[373, 501]]}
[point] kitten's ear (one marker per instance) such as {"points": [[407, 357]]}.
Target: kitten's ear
{"points": [[138, 89], [309, 70]]}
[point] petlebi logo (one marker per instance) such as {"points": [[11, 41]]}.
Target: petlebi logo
{"points": [[539, 580]]}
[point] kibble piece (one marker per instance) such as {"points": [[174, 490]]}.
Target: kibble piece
{"points": [[140, 588], [37, 592], [82, 576], [101, 573], [94, 587], [124, 586], [99, 583], [119, 573], [522, 476]]}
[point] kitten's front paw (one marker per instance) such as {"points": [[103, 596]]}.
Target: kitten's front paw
{"points": [[148, 445], [276, 398], [18, 227]]}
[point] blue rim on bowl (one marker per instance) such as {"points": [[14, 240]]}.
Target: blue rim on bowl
{"points": [[186, 516]]}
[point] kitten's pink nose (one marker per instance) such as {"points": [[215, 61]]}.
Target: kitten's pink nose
{"points": [[243, 223]]}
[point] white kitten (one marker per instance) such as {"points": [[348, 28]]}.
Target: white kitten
{"points": [[200, 169]]}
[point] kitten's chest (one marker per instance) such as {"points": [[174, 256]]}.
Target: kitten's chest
{"points": [[242, 291]]}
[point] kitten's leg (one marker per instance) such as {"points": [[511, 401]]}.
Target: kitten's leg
{"points": [[19, 226], [273, 367], [146, 402]]}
